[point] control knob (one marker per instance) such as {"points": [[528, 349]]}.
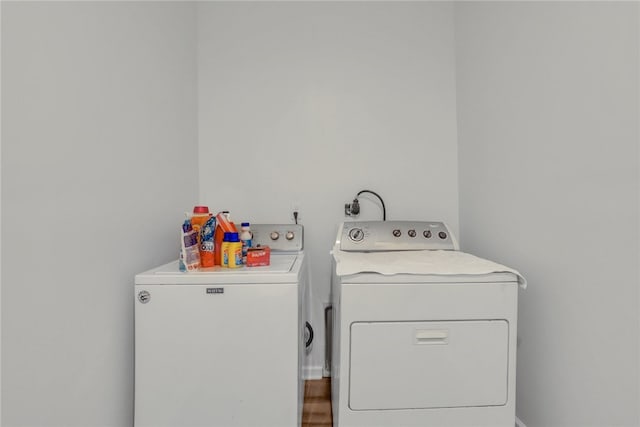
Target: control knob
{"points": [[397, 232], [289, 235], [356, 234], [411, 233], [427, 234], [275, 235], [442, 235]]}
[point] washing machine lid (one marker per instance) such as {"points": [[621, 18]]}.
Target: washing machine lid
{"points": [[427, 265], [283, 268]]}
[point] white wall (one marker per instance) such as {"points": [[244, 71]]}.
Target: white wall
{"points": [[99, 140], [548, 150], [311, 102]]}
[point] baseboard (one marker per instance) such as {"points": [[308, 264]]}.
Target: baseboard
{"points": [[312, 372], [519, 423]]}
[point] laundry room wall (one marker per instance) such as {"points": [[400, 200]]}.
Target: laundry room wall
{"points": [[99, 141], [307, 103], [548, 111]]}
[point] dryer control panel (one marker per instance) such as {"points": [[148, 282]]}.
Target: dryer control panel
{"points": [[382, 236]]}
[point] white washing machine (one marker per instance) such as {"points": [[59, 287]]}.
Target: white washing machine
{"points": [[223, 347], [424, 335]]}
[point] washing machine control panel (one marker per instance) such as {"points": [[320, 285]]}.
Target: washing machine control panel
{"points": [[279, 237], [378, 236]]}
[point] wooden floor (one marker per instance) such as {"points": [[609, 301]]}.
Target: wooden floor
{"points": [[317, 403]]}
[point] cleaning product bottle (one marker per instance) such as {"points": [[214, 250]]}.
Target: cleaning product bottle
{"points": [[185, 227], [181, 266], [199, 217], [245, 238], [224, 249], [223, 225], [218, 238], [233, 254], [207, 243], [189, 245]]}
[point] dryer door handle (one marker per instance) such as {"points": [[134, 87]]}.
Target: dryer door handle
{"points": [[431, 336]]}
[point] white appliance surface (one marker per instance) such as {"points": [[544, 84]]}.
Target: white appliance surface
{"points": [[282, 268], [423, 349], [445, 352], [221, 347], [424, 262]]}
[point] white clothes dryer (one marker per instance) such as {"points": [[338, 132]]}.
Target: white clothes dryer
{"points": [[424, 335]]}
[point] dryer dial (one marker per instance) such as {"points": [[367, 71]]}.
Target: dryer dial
{"points": [[356, 234]]}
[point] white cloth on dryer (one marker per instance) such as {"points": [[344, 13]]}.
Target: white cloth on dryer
{"points": [[438, 262]]}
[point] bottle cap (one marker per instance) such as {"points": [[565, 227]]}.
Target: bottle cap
{"points": [[201, 209], [245, 224], [233, 237], [227, 236]]}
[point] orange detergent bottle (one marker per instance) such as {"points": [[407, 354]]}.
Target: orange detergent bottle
{"points": [[223, 225], [207, 243], [218, 238], [199, 217]]}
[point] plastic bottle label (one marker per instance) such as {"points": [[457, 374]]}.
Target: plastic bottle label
{"points": [[246, 244], [234, 255]]}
